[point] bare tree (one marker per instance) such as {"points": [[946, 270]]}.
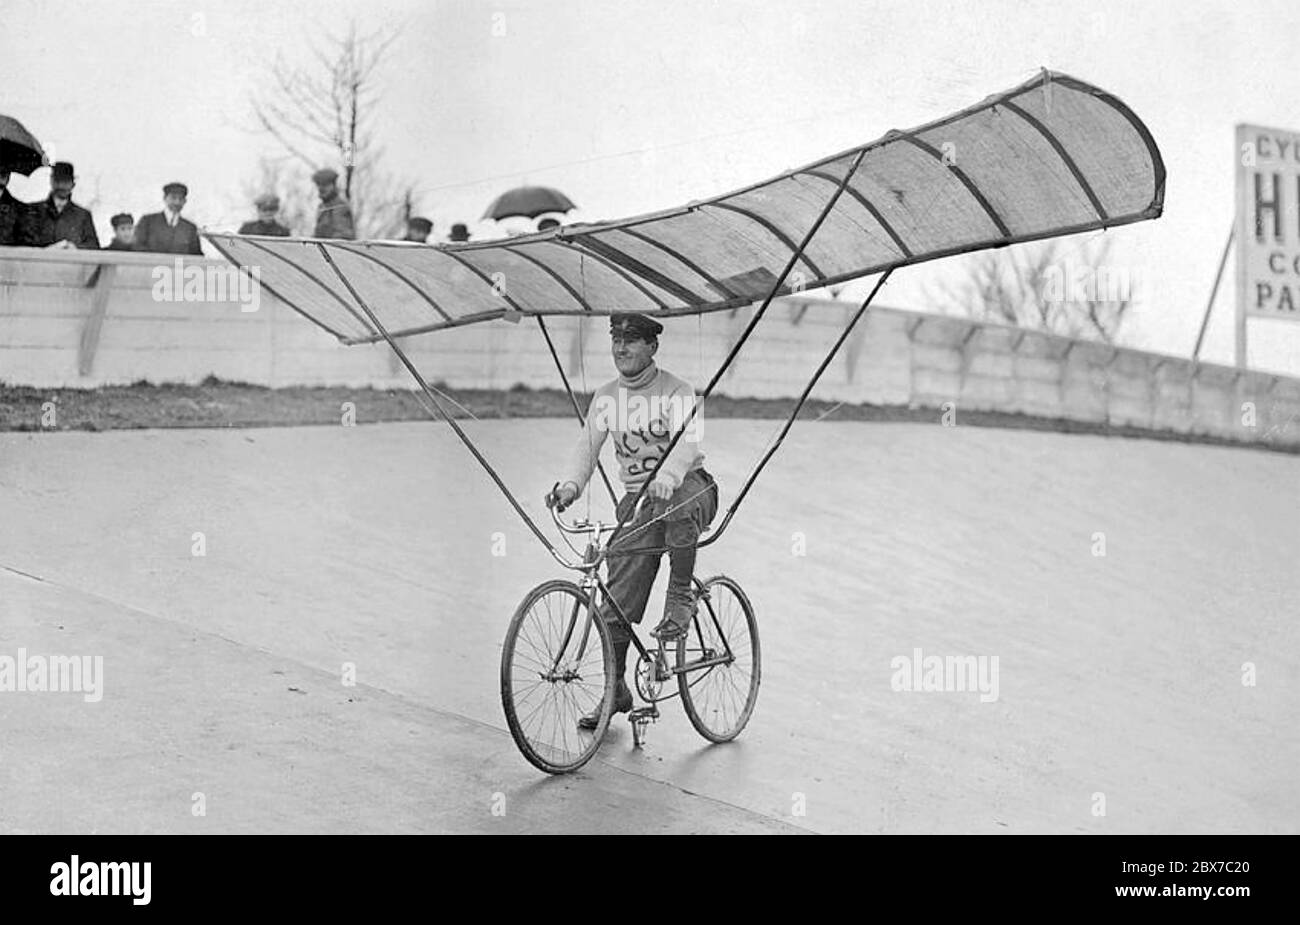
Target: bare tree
{"points": [[1068, 289], [324, 115]]}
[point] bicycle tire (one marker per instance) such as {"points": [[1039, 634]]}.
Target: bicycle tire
{"points": [[551, 758], [702, 709]]}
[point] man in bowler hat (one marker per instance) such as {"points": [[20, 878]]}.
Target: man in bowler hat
{"points": [[57, 221]]}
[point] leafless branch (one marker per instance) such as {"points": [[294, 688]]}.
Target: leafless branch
{"points": [[323, 113], [1035, 286]]}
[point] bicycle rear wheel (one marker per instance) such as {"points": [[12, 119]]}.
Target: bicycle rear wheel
{"points": [[557, 664], [718, 662]]}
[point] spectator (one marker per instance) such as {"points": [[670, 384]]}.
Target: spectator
{"points": [[418, 230], [334, 217], [57, 221], [267, 208], [10, 210], [166, 232], [123, 233], [459, 233]]}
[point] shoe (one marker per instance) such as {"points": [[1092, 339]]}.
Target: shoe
{"points": [[622, 704], [676, 621]]}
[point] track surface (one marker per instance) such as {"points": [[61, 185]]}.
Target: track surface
{"points": [[1118, 674]]}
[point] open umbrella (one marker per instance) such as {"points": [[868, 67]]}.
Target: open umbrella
{"points": [[20, 152], [528, 202]]}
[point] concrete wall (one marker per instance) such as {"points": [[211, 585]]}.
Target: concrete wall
{"points": [[84, 319]]}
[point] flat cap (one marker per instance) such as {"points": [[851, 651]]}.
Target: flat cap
{"points": [[120, 219], [636, 325], [325, 175], [267, 201], [176, 188], [420, 224], [61, 170]]}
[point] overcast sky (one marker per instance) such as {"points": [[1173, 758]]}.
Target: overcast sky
{"points": [[634, 106]]}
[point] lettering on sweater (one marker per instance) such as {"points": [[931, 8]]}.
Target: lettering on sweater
{"points": [[642, 419]]}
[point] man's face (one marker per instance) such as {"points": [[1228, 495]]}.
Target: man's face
{"points": [[124, 233], [174, 201], [632, 353], [62, 189], [266, 214], [326, 190]]}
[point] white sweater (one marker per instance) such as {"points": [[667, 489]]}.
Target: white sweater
{"points": [[641, 414]]}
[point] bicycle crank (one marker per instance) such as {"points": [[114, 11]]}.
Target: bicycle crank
{"points": [[651, 673]]}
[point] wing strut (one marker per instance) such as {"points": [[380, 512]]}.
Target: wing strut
{"points": [[830, 355], [559, 367], [415, 373]]}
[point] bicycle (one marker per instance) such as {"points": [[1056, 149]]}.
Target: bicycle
{"points": [[550, 660]]}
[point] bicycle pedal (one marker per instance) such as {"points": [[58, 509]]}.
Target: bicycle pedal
{"points": [[640, 719]]}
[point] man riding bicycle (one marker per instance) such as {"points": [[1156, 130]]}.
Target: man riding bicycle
{"points": [[641, 410]]}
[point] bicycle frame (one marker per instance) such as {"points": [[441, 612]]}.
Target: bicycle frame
{"points": [[591, 582]]}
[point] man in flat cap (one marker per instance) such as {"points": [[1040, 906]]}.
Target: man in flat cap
{"points": [[268, 206], [418, 230], [166, 232], [334, 217], [123, 232], [641, 410], [57, 221]]}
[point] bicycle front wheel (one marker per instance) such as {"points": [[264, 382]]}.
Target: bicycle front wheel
{"points": [[557, 664], [718, 662]]}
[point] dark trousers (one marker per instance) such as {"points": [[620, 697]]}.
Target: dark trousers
{"points": [[631, 574]]}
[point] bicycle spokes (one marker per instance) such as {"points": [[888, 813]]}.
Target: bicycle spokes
{"points": [[553, 674], [719, 663]]}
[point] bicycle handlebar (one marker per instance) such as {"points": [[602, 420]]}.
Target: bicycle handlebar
{"points": [[579, 526], [599, 529], [584, 526]]}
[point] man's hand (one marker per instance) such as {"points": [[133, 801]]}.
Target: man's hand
{"points": [[561, 496], [660, 490]]}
